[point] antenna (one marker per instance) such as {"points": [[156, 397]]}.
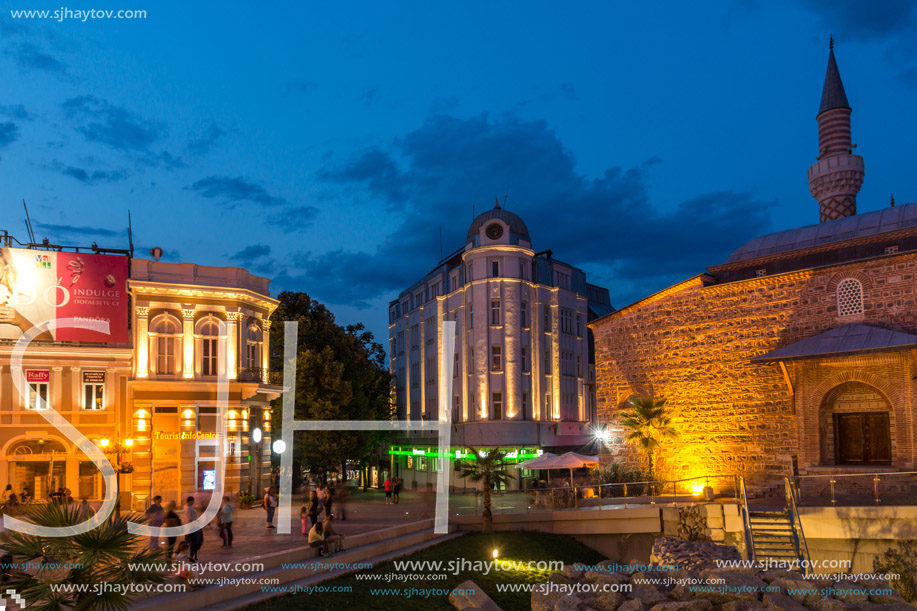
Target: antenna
{"points": [[28, 223], [130, 234], [505, 197]]}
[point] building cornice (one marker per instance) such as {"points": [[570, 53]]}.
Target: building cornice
{"points": [[150, 290], [697, 280]]}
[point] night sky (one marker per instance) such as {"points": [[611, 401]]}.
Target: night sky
{"points": [[326, 145]]}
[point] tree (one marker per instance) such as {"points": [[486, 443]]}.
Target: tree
{"points": [[100, 556], [650, 424], [341, 374], [489, 468]]}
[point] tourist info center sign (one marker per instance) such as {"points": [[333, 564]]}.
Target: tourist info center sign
{"points": [[39, 285]]}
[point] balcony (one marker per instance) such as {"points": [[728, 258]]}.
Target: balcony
{"points": [[259, 374]]}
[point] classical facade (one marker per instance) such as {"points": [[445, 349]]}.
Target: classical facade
{"points": [[522, 367], [145, 389], [797, 355]]}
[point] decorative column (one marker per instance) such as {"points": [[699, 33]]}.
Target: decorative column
{"points": [[77, 389], [232, 344], [142, 345], [265, 349], [55, 394], [187, 314]]}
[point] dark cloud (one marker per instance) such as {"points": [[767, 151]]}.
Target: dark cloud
{"points": [[93, 177], [16, 111], [235, 190], [78, 230], [250, 253], [370, 95], [9, 133], [30, 57], [890, 23], [119, 128], [298, 87], [432, 175], [294, 219], [206, 142]]}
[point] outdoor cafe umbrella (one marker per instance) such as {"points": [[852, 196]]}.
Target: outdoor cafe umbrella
{"points": [[570, 460], [535, 463]]}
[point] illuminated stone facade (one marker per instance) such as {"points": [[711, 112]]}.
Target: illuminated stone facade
{"points": [[797, 355]]}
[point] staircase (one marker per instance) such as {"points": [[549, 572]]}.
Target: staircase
{"points": [[773, 538]]}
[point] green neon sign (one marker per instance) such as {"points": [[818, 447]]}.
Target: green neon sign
{"points": [[458, 454]]}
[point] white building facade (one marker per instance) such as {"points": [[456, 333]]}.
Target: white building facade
{"points": [[523, 374]]}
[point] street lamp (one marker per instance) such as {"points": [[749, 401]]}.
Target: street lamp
{"points": [[125, 468]]}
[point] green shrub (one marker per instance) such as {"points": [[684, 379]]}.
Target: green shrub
{"points": [[903, 562], [617, 474]]}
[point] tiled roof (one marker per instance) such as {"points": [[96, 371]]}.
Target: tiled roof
{"points": [[842, 340]]}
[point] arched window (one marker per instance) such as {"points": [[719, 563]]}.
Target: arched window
{"points": [[165, 341], [253, 341], [849, 297], [208, 331]]}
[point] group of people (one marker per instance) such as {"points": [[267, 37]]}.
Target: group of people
{"points": [[392, 487], [322, 534], [167, 517], [11, 501]]}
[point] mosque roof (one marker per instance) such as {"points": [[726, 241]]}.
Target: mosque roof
{"points": [[833, 95], [843, 340], [847, 228]]}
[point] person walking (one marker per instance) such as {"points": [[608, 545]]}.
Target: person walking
{"points": [[195, 539], [321, 492], [387, 484], [270, 504], [171, 519], [340, 496], [226, 523], [396, 490], [329, 503], [156, 516]]}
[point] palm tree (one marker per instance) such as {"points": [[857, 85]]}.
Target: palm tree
{"points": [[489, 468], [100, 556], [649, 423]]}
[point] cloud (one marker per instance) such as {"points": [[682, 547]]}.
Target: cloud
{"points": [[298, 87], [251, 253], [9, 133], [16, 111], [30, 57], [78, 230], [432, 175], [206, 141], [293, 219], [235, 190], [119, 128], [370, 95], [93, 177]]}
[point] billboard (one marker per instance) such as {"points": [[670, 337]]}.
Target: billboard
{"points": [[38, 285]]}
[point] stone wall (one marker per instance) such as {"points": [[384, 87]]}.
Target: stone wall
{"points": [[693, 344]]}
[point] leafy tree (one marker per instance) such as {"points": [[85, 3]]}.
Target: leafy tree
{"points": [[650, 424], [489, 468], [100, 556], [341, 374]]}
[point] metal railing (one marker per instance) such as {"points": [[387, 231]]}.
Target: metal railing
{"points": [[595, 496], [850, 488], [792, 510], [746, 521]]}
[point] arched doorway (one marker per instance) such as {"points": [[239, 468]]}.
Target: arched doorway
{"points": [[856, 425], [38, 466]]}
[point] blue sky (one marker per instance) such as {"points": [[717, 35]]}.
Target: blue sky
{"points": [[324, 145]]}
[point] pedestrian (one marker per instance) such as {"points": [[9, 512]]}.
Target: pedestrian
{"points": [[270, 504], [26, 496], [226, 523], [396, 490], [317, 539], [320, 492], [328, 527], [329, 503], [304, 517], [171, 519], [155, 517], [313, 508], [340, 496], [195, 539], [6, 493], [182, 560], [387, 484]]}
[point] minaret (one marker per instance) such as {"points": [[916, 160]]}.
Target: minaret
{"points": [[837, 176]]}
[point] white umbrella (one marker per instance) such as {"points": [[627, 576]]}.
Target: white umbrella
{"points": [[571, 461], [535, 463]]}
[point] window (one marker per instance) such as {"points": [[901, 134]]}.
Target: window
{"points": [[415, 336], [456, 364], [579, 325], [434, 291], [415, 374], [399, 381], [522, 269], [547, 319], [470, 315], [431, 370], [760, 273], [453, 282], [165, 337], [418, 299], [392, 314], [496, 361], [525, 405], [849, 297], [393, 347], [457, 408], [494, 269], [579, 365], [549, 408], [253, 347], [208, 329], [93, 390], [497, 406], [524, 314], [890, 250], [566, 321], [495, 313], [430, 329], [547, 361], [561, 280], [36, 390], [525, 358], [406, 306], [400, 342]]}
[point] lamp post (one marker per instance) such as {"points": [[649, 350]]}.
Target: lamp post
{"points": [[127, 468]]}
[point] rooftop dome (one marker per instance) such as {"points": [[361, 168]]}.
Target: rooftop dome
{"points": [[857, 226], [515, 223]]}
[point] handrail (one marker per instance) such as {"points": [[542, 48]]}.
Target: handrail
{"points": [[746, 519], [659, 481], [863, 474], [802, 547], [833, 477]]}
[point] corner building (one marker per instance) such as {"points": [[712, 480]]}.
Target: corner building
{"points": [[522, 368], [794, 356]]}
